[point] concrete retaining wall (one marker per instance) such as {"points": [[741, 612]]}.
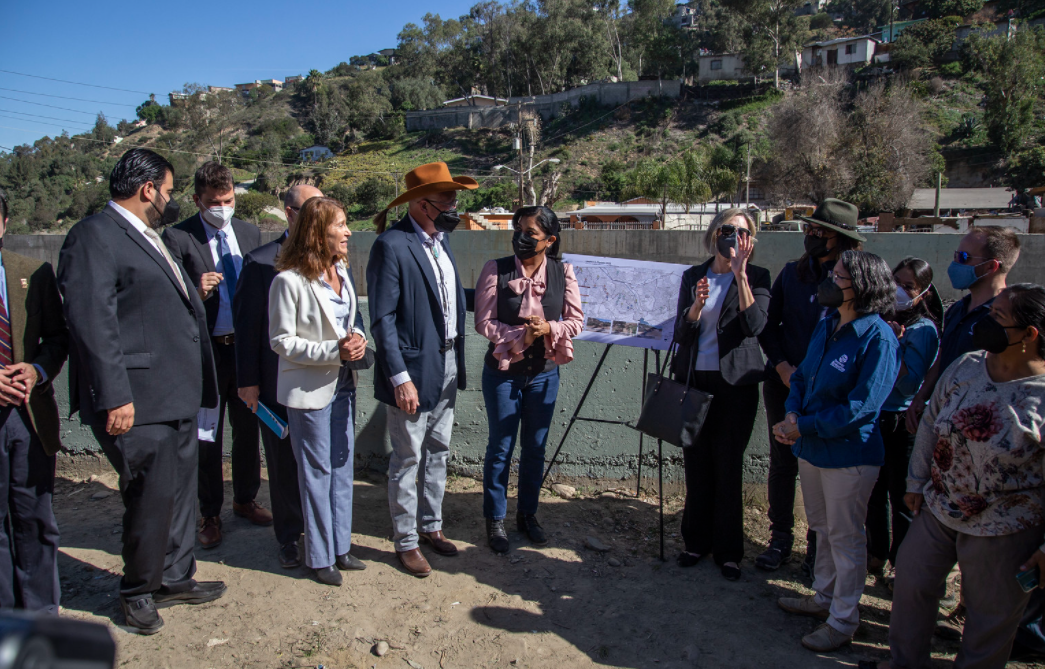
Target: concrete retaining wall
{"points": [[593, 450]]}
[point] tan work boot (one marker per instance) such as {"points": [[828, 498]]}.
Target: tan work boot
{"points": [[825, 638], [803, 606]]}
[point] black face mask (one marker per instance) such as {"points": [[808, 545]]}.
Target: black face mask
{"points": [[990, 335], [525, 247], [170, 214], [447, 220], [829, 294], [724, 243], [816, 247]]}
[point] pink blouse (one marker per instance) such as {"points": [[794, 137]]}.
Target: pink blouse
{"points": [[508, 340]]}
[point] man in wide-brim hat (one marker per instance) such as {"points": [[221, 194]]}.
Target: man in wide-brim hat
{"points": [[839, 216], [417, 309]]}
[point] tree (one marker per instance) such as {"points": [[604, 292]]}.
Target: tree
{"points": [[862, 16], [961, 8], [688, 184], [926, 43], [773, 34], [653, 180], [1014, 83], [1026, 169], [210, 116]]}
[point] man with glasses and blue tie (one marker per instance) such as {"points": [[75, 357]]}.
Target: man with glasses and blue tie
{"points": [[210, 246]]}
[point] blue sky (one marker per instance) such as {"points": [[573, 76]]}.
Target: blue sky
{"points": [[157, 47]]}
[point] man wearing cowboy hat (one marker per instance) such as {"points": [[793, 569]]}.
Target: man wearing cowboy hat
{"points": [[417, 308]]}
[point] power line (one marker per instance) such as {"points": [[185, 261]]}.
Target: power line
{"points": [[40, 104], [48, 123], [63, 97], [75, 83], [53, 118]]}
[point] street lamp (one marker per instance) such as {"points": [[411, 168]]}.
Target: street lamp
{"points": [[522, 175]]}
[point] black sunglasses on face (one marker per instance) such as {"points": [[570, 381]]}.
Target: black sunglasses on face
{"points": [[727, 230], [962, 257]]}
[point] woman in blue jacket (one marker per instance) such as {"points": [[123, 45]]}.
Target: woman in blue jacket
{"points": [[919, 313], [831, 423]]}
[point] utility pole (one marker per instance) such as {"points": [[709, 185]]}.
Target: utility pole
{"points": [[519, 145], [939, 185], [747, 179]]}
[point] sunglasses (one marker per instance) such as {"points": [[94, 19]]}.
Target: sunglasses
{"points": [[727, 230], [816, 232], [963, 257]]}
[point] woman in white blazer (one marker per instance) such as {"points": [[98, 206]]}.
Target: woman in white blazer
{"points": [[315, 328]]}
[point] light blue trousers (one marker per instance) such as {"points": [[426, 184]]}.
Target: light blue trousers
{"points": [[323, 441]]}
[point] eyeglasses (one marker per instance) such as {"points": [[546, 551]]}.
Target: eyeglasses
{"points": [[448, 205], [963, 257], [296, 210], [727, 230], [816, 232]]}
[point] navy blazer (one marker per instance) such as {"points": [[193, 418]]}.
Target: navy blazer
{"points": [[739, 356], [187, 242], [256, 363], [136, 336], [406, 319]]}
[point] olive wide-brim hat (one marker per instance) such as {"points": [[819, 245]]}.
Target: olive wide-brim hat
{"points": [[840, 216], [430, 179]]}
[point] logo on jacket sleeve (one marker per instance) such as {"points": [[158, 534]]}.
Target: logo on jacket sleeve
{"points": [[839, 363]]}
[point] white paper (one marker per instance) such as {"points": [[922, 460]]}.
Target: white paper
{"points": [[627, 302], [207, 424]]}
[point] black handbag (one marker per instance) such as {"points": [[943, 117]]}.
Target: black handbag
{"points": [[672, 411]]}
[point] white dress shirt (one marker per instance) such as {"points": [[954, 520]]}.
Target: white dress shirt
{"points": [[446, 285], [223, 324], [135, 222]]}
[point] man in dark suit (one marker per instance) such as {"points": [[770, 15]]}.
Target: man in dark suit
{"points": [[257, 367], [417, 312], [210, 246], [140, 369], [34, 343]]}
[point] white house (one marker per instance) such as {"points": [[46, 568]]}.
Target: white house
{"points": [[722, 66], [849, 51], [685, 17], [314, 154]]}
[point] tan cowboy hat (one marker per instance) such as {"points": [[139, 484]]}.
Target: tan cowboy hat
{"points": [[429, 179]]}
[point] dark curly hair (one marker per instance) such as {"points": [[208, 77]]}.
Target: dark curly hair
{"points": [[872, 282], [1028, 309]]}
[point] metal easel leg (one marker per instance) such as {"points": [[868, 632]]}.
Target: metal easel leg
{"points": [[642, 398], [660, 488]]}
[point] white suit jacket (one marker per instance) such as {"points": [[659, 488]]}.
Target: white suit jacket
{"points": [[302, 333]]}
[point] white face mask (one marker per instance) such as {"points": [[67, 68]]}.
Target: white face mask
{"points": [[904, 301], [219, 217]]}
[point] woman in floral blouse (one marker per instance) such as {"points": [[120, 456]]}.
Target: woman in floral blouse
{"points": [[977, 489]]}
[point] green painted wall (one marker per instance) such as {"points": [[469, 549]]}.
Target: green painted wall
{"points": [[593, 450]]}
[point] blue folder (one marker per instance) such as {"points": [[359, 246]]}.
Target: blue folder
{"points": [[272, 421]]}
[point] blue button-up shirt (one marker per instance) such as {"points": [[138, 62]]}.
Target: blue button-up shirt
{"points": [[918, 348], [838, 391], [957, 330]]}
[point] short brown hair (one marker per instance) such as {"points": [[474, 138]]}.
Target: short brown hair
{"points": [[213, 175], [1000, 244], [305, 250]]}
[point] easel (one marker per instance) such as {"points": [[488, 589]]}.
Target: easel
{"points": [[660, 446]]}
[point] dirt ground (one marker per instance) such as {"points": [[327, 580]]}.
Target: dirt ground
{"points": [[565, 605]]}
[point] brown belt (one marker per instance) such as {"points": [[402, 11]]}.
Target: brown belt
{"points": [[227, 340]]}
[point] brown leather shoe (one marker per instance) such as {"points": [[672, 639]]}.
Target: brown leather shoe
{"points": [[440, 544], [414, 562], [254, 512], [209, 534]]}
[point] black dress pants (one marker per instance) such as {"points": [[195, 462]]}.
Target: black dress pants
{"points": [[783, 465], [890, 488], [283, 485], [28, 529], [246, 457], [157, 467], [713, 520]]}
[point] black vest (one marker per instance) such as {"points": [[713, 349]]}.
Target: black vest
{"points": [[508, 304]]}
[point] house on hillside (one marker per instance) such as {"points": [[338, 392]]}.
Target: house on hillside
{"points": [[721, 67], [960, 201], [178, 99], [685, 17], [811, 7], [888, 33], [245, 89], [847, 51], [292, 80], [476, 101], [219, 89], [315, 154]]}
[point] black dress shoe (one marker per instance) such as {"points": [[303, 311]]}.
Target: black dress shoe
{"points": [[141, 615], [289, 555], [349, 562], [328, 576], [200, 593], [687, 560], [529, 526], [496, 536], [730, 572]]}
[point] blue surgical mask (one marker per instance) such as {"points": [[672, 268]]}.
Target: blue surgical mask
{"points": [[962, 276]]}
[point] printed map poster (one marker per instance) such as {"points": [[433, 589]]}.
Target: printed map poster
{"points": [[627, 302]]}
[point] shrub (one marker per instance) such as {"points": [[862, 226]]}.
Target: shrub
{"points": [[250, 205]]}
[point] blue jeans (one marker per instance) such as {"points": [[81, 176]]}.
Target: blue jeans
{"points": [[323, 441], [511, 399]]}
